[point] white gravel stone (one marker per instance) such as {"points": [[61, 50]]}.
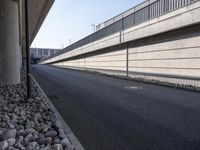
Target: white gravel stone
{"points": [[8, 134], [19, 140], [29, 131], [28, 124], [20, 132], [28, 138], [61, 133], [45, 141], [51, 134], [11, 148], [57, 147], [11, 141], [3, 145], [43, 106], [65, 142]]}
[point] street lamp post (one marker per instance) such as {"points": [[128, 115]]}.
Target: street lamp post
{"points": [[70, 41], [93, 27], [62, 45]]}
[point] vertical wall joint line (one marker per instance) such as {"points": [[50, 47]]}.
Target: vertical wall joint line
{"points": [[127, 59]]}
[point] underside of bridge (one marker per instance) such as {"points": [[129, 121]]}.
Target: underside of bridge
{"points": [[12, 34]]}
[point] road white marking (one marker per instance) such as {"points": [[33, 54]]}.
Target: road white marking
{"points": [[133, 87]]}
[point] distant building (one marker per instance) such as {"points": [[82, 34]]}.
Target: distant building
{"points": [[39, 53]]}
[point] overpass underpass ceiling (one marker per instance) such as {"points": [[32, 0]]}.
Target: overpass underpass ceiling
{"points": [[38, 10]]}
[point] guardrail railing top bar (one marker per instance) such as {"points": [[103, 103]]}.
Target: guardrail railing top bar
{"points": [[150, 10], [113, 19]]}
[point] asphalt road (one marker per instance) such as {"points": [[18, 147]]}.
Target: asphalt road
{"points": [[107, 113]]}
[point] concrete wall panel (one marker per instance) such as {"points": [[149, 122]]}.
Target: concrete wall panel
{"points": [[189, 53], [162, 48], [177, 19]]}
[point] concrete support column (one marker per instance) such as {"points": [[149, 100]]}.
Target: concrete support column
{"points": [[9, 43]]}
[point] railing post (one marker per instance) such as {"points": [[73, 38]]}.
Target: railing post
{"points": [[122, 30], [148, 10]]}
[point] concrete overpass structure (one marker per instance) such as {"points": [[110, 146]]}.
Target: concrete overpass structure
{"points": [[12, 31], [156, 40]]}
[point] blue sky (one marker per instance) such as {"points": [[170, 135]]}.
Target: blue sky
{"points": [[73, 19]]}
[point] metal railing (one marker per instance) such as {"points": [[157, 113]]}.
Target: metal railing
{"points": [[153, 10]]}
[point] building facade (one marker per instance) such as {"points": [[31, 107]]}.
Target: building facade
{"points": [[38, 54]]}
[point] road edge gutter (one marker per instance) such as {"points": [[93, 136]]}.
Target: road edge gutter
{"points": [[152, 82], [73, 139]]}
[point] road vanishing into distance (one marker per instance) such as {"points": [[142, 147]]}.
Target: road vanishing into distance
{"points": [[107, 113]]}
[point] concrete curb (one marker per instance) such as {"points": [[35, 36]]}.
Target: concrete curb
{"points": [[71, 136]]}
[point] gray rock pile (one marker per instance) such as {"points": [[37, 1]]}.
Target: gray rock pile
{"points": [[28, 124]]}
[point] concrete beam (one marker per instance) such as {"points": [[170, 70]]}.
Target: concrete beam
{"points": [[38, 10]]}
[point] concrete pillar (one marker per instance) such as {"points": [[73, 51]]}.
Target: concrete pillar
{"points": [[9, 43]]}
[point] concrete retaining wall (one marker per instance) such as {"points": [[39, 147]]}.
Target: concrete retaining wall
{"points": [[170, 55]]}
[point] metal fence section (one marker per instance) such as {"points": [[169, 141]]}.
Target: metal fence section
{"points": [[172, 80], [155, 8]]}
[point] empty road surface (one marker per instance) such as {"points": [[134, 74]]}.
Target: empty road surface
{"points": [[107, 113]]}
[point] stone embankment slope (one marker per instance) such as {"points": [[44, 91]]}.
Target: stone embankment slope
{"points": [[28, 124]]}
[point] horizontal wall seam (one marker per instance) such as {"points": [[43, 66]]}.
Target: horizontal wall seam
{"points": [[117, 66], [164, 68], [160, 50], [106, 61], [107, 55], [184, 58]]}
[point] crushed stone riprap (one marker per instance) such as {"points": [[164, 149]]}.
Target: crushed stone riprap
{"points": [[28, 124]]}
